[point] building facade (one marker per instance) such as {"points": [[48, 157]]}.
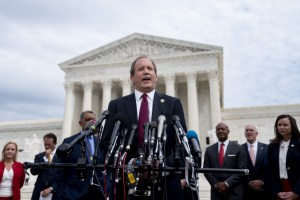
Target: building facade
{"points": [[190, 71]]}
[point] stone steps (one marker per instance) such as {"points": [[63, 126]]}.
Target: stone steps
{"points": [[204, 189]]}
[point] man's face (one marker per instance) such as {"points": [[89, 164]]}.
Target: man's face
{"points": [[86, 118], [144, 77], [49, 144], [250, 133], [222, 131]]}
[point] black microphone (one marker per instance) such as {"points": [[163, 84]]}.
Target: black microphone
{"points": [[119, 119], [65, 149], [105, 114], [132, 132], [161, 121], [176, 122], [89, 124], [153, 132], [146, 132], [194, 143]]}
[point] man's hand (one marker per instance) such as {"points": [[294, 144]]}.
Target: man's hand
{"points": [[46, 191], [221, 187], [47, 153], [256, 185]]}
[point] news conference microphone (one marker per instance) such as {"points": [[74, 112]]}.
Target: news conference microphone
{"points": [[65, 149], [132, 132], [194, 142], [118, 119], [146, 132], [153, 131], [89, 124], [160, 129], [105, 114], [176, 122]]}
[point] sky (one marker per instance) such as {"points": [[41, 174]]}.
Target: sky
{"points": [[260, 39]]}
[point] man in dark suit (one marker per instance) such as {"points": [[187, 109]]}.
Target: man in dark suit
{"points": [[255, 183], [143, 74], [81, 184], [45, 182], [225, 186]]}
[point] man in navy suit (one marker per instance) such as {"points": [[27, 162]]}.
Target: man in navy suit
{"points": [[143, 75], [255, 182], [45, 182], [225, 186], [81, 184]]}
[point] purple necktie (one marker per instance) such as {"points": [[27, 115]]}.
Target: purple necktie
{"points": [[143, 117]]}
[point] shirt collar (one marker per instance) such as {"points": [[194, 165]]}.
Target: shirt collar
{"points": [[225, 142], [139, 94], [254, 144]]}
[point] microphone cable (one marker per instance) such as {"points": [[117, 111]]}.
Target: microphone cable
{"points": [[123, 177]]}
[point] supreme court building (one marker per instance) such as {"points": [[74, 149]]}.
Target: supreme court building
{"points": [[191, 71]]}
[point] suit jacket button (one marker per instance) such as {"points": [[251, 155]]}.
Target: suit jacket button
{"points": [[288, 168]]}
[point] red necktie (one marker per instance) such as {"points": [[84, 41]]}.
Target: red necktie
{"points": [[221, 154], [143, 117]]}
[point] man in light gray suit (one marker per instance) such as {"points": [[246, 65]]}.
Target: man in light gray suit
{"points": [[225, 154]]}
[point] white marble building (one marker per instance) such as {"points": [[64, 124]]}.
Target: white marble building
{"points": [[191, 71]]}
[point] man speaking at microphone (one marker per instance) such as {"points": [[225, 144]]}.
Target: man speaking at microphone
{"points": [[145, 104]]}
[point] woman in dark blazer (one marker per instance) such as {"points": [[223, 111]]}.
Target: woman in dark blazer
{"points": [[283, 159], [12, 173]]}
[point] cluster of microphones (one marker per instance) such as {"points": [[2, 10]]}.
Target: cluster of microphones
{"points": [[154, 140]]}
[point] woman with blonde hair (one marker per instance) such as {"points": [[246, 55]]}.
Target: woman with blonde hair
{"points": [[12, 173]]}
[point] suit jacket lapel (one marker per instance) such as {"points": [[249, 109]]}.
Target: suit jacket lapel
{"points": [[290, 149], [130, 107], [228, 152], [158, 105], [259, 154]]}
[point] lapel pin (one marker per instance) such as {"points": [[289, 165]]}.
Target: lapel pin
{"points": [[162, 100], [292, 145]]}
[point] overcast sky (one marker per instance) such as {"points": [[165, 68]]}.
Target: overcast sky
{"points": [[261, 41]]}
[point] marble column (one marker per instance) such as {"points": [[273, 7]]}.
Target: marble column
{"points": [[68, 114], [106, 94], [87, 95], [126, 86], [193, 112], [170, 84], [214, 92]]}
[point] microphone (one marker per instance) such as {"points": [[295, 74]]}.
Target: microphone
{"points": [[161, 121], [194, 143], [119, 119], [176, 122], [89, 124], [132, 132], [153, 131], [146, 132], [65, 149], [104, 115]]}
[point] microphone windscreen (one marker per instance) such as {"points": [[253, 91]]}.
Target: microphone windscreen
{"points": [[89, 124], [154, 124], [175, 118], [191, 134], [121, 117]]}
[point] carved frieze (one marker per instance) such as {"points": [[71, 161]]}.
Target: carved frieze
{"points": [[136, 47]]}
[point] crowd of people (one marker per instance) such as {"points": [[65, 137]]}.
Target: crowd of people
{"points": [[274, 169]]}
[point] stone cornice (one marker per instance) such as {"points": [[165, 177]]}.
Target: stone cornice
{"points": [[28, 125], [136, 44], [257, 111]]}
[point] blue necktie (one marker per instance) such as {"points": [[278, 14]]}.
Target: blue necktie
{"points": [[89, 152]]}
